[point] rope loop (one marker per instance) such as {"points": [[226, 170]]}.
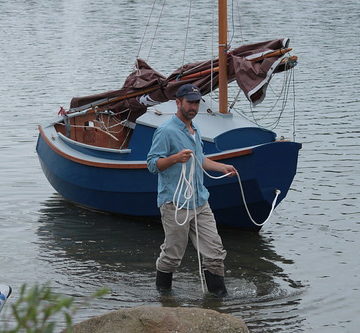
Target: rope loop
{"points": [[186, 186], [189, 192]]}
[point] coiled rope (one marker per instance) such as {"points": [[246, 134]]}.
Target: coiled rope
{"points": [[189, 194]]}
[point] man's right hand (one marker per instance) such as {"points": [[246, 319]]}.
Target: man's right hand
{"points": [[184, 155], [180, 157]]}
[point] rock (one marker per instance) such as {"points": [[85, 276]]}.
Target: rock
{"points": [[149, 319]]}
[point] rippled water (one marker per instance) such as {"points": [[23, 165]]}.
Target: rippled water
{"points": [[300, 274]]}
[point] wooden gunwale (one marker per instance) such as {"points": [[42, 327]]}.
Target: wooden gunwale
{"points": [[126, 165]]}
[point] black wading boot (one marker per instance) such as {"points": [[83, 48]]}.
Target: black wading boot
{"points": [[163, 281], [215, 284]]}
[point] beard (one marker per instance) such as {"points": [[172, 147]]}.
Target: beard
{"points": [[188, 114]]}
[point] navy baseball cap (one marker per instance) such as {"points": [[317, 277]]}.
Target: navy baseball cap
{"points": [[189, 92]]}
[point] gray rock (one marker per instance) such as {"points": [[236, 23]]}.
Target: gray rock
{"points": [[149, 319]]}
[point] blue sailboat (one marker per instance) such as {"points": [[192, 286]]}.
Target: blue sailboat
{"points": [[95, 153]]}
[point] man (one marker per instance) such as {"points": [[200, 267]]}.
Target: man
{"points": [[173, 143]]}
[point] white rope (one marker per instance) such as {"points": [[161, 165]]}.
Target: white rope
{"points": [[277, 192], [190, 193]]}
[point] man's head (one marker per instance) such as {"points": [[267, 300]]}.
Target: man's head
{"points": [[190, 92], [188, 99]]}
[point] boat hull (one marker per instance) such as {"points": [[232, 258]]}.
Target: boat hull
{"points": [[133, 190]]}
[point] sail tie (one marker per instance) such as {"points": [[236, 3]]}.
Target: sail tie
{"points": [[189, 194]]}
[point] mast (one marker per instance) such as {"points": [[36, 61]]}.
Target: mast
{"points": [[223, 80]]}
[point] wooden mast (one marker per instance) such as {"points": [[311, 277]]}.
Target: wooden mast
{"points": [[223, 80]]}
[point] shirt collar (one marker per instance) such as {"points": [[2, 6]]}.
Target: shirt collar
{"points": [[182, 125]]}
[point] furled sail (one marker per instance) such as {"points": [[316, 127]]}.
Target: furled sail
{"points": [[252, 66]]}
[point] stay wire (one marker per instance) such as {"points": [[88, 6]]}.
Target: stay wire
{"points": [[239, 18], [232, 23], [294, 106], [187, 32], [283, 95], [212, 53], [145, 30], [156, 28]]}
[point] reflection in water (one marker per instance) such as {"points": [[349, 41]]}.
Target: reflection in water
{"points": [[87, 250], [110, 241]]}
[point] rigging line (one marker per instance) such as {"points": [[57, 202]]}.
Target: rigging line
{"points": [[239, 17], [212, 53], [108, 127], [283, 88], [294, 108], [286, 94], [156, 28], [242, 114], [283, 94], [192, 69], [145, 30], [187, 32], [232, 23], [285, 99], [235, 100], [284, 102], [127, 134]]}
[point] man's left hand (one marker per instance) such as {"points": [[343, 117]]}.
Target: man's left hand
{"points": [[227, 168]]}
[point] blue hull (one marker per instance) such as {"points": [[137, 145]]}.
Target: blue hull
{"points": [[133, 191]]}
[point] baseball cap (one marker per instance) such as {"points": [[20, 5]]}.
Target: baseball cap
{"points": [[190, 92]]}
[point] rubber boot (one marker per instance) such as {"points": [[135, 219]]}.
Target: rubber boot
{"points": [[215, 284], [163, 281]]}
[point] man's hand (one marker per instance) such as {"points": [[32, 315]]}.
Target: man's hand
{"points": [[180, 157], [183, 156], [221, 167], [227, 168]]}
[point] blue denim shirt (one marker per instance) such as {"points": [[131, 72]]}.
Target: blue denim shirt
{"points": [[170, 138]]}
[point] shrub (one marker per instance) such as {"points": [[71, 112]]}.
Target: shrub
{"points": [[38, 309]]}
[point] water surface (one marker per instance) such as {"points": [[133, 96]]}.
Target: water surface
{"points": [[299, 274]]}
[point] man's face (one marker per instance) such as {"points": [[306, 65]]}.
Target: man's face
{"points": [[188, 109]]}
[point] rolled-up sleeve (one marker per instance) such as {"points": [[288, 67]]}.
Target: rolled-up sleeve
{"points": [[160, 148]]}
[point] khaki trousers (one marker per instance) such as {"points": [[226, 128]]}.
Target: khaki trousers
{"points": [[176, 239]]}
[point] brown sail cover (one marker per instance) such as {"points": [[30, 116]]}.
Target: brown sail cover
{"points": [[145, 86]]}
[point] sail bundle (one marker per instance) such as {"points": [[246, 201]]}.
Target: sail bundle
{"points": [[252, 66]]}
